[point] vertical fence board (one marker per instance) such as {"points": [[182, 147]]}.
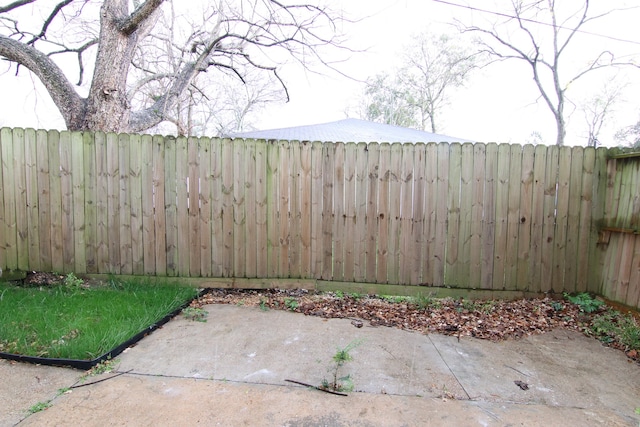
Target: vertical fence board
{"points": [[170, 203], [561, 217], [55, 199], [183, 187], [217, 231], [327, 211], [586, 207], [251, 217], [66, 200], [466, 203], [205, 200], [79, 204], [372, 181], [338, 212], [498, 251], [261, 208], [20, 183], [135, 191], [442, 220], [453, 207], [90, 179], [8, 186], [349, 217], [476, 228], [488, 226], [513, 218], [195, 189], [3, 226], [159, 204], [361, 218], [284, 194], [317, 221], [124, 207], [537, 215], [548, 226], [293, 239], [405, 240], [574, 208], [227, 208], [273, 244], [383, 213], [305, 195], [429, 250], [31, 180], [395, 192], [417, 241], [102, 204], [525, 219], [148, 239]]}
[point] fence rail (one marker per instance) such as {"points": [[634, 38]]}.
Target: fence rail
{"points": [[476, 216]]}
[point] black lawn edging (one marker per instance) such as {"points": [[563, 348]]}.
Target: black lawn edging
{"points": [[85, 365]]}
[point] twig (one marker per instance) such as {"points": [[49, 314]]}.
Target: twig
{"points": [[99, 381], [337, 393]]}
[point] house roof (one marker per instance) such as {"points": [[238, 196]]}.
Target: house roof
{"points": [[348, 130]]}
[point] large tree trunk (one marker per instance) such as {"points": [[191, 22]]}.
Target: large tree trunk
{"points": [[107, 106]]}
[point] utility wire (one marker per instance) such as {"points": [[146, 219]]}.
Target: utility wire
{"points": [[533, 21]]}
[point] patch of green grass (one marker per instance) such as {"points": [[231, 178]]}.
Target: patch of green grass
{"points": [[195, 314], [76, 322], [613, 326], [38, 407]]}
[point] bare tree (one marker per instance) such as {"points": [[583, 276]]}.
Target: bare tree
{"points": [[415, 94], [143, 72], [598, 108], [540, 33], [629, 135]]}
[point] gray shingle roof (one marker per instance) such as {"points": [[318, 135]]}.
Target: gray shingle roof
{"points": [[348, 130]]}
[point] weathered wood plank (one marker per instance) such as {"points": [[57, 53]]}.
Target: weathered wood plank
{"points": [[227, 208], [384, 213], [90, 199], [239, 213], [371, 183], [418, 219], [487, 275], [465, 215], [20, 183], [405, 222], [513, 218], [66, 199], [294, 243], [395, 193], [135, 191], [284, 230], [349, 217], [171, 205], [205, 198], [251, 217], [124, 207], [3, 233], [525, 218], [273, 178], [55, 199], [217, 208], [441, 216], [317, 209], [305, 197], [193, 205], [102, 204], [537, 217], [8, 226], [32, 216], [261, 209], [148, 239], [338, 212], [501, 217], [429, 249], [561, 217], [574, 208], [453, 213], [161, 230], [183, 248], [79, 204]]}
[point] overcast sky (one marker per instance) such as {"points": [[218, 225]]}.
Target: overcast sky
{"points": [[499, 104]]}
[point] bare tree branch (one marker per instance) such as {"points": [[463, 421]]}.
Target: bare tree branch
{"points": [[143, 12], [15, 5]]}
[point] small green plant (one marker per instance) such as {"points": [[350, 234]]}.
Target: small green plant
{"points": [[613, 326], [557, 306], [196, 314], [40, 406], [342, 356], [585, 302], [290, 303], [356, 296], [72, 283], [103, 367], [425, 302], [263, 305], [339, 294]]}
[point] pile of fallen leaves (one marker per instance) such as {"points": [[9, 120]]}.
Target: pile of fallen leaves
{"points": [[491, 320]]}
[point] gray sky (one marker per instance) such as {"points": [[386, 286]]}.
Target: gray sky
{"points": [[499, 104]]}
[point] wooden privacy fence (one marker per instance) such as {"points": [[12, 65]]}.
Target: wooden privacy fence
{"points": [[474, 216]]}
